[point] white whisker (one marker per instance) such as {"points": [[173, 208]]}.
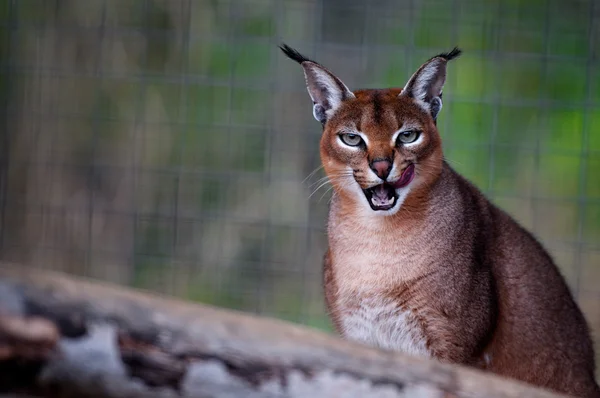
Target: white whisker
{"points": [[325, 193], [319, 187], [453, 162], [320, 180], [312, 173], [339, 178]]}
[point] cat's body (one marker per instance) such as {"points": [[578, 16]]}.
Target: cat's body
{"points": [[419, 261], [420, 297]]}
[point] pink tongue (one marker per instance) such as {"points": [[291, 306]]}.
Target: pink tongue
{"points": [[406, 177]]}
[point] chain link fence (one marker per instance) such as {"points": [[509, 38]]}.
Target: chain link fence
{"points": [[169, 145]]}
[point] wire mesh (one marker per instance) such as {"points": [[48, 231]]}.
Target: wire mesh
{"points": [[168, 145]]}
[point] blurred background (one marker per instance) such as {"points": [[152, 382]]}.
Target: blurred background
{"points": [[169, 145]]}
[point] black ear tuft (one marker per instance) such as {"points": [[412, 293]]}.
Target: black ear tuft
{"points": [[294, 54], [325, 89], [426, 84], [450, 55]]}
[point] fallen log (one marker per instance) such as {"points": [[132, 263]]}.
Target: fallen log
{"points": [[68, 337]]}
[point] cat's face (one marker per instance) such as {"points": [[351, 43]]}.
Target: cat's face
{"points": [[378, 145]]}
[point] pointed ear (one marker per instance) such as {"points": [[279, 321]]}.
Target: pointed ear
{"points": [[426, 85], [325, 89]]}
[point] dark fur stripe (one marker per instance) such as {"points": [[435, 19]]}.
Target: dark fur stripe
{"points": [[377, 107]]}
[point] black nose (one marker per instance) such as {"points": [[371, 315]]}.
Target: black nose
{"points": [[381, 167]]}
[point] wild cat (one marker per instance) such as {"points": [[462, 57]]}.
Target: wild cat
{"points": [[418, 259]]}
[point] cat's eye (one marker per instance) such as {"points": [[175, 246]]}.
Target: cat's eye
{"points": [[407, 137], [351, 139]]}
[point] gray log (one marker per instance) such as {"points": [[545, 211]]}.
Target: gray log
{"points": [[62, 336]]}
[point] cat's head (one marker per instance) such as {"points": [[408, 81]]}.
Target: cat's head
{"points": [[378, 145]]}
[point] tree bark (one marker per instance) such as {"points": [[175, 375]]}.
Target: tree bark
{"points": [[62, 336]]}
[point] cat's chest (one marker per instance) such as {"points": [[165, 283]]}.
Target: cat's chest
{"points": [[367, 274], [382, 323], [376, 264]]}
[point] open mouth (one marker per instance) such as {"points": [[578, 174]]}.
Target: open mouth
{"points": [[384, 196]]}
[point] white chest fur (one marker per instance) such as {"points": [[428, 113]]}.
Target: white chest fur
{"points": [[381, 323], [367, 263]]}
